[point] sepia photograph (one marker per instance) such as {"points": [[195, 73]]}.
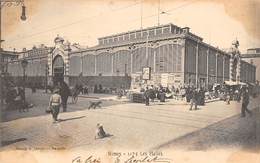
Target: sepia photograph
{"points": [[130, 81]]}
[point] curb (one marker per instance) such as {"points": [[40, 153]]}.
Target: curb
{"points": [[93, 97]]}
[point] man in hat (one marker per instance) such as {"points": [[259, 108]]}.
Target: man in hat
{"points": [[194, 100], [54, 104], [146, 96], [245, 102]]}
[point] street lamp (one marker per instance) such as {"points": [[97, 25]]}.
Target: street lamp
{"points": [[7, 3], [23, 17], [24, 64]]}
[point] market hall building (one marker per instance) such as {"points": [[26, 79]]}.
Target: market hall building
{"points": [[175, 56]]}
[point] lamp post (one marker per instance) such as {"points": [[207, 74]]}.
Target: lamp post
{"points": [[7, 3], [24, 64]]}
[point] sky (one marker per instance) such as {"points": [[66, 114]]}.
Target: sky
{"points": [[218, 22]]}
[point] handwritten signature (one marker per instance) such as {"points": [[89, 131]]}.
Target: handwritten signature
{"points": [[146, 159], [132, 159], [89, 159]]}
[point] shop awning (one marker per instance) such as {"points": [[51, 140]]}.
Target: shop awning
{"points": [[241, 83], [251, 84], [231, 83]]}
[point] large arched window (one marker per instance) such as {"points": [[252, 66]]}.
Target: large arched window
{"points": [[58, 62], [58, 68]]}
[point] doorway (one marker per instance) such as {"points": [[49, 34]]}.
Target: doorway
{"points": [[58, 69]]}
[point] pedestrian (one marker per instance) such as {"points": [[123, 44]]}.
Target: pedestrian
{"points": [[95, 88], [202, 96], [64, 93], [21, 102], [245, 102], [187, 93], [146, 97], [153, 94], [162, 94], [54, 105], [33, 87], [239, 95], [10, 97], [86, 90], [227, 98], [194, 99], [120, 93]]}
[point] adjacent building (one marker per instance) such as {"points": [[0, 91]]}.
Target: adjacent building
{"points": [[6, 57]]}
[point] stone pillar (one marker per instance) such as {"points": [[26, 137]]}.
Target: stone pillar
{"points": [[208, 68], [224, 58], [197, 66], [154, 61], [50, 59], [238, 70], [95, 64], [131, 55], [112, 64], [66, 68], [81, 63], [146, 51], [183, 55], [216, 67], [231, 69]]}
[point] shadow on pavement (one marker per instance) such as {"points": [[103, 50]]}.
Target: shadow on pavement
{"points": [[68, 119], [5, 143], [40, 101], [231, 132]]}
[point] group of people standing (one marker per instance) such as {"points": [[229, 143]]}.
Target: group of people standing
{"points": [[237, 94], [195, 97], [15, 98], [152, 93]]}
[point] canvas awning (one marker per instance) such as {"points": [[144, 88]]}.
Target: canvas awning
{"points": [[251, 84], [241, 83], [231, 83]]}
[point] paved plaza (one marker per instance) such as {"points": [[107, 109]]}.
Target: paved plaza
{"points": [[131, 125]]}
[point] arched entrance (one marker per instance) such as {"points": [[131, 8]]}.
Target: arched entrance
{"points": [[58, 69]]}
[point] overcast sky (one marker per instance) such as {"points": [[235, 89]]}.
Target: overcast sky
{"points": [[219, 22]]}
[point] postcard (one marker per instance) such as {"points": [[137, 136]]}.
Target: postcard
{"points": [[130, 81]]}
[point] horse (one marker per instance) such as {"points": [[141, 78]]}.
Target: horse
{"points": [[74, 93]]}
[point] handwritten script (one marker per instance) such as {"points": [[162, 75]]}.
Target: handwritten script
{"points": [[145, 159], [90, 159], [125, 157]]}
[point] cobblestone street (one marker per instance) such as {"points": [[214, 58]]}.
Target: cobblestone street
{"points": [[132, 126]]}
